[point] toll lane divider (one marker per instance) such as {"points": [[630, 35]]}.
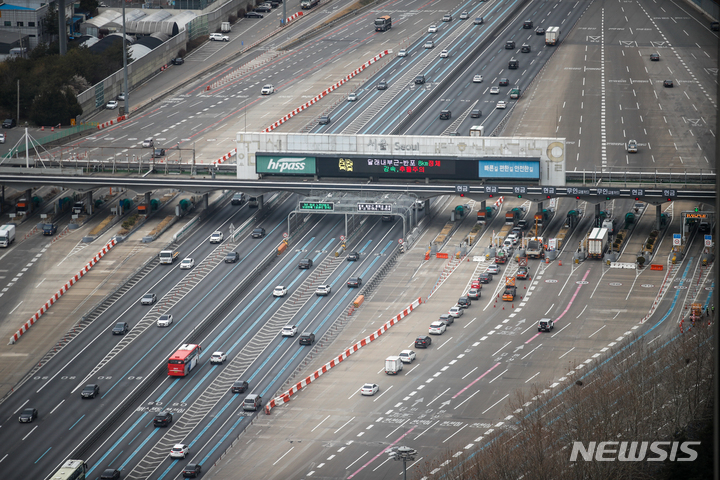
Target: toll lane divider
{"points": [[24, 328], [327, 91], [225, 157], [119, 119], [285, 397]]}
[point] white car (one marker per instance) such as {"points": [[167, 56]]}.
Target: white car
{"points": [[219, 37], [323, 290], [513, 237], [187, 264], [289, 331], [477, 79], [437, 328], [2, 138], [180, 450], [147, 143], [407, 356], [402, 53], [216, 237], [112, 105], [218, 357], [369, 389], [456, 311], [464, 16], [429, 44], [165, 320], [352, 97], [501, 104], [280, 291], [444, 54], [495, 90], [267, 90], [432, 29]]}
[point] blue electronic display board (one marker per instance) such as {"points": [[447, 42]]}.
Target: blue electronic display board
{"points": [[520, 169]]}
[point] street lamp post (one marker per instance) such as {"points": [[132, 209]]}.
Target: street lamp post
{"points": [[403, 453]]}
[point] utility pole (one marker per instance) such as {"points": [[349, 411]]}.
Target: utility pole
{"points": [[126, 90]]}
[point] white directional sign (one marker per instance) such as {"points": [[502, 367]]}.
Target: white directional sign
{"points": [[677, 239]]}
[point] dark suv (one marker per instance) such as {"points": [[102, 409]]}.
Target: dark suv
{"points": [[464, 302], [307, 338], [162, 419], [232, 257], [354, 282], [238, 199], [445, 115], [192, 470], [305, 263], [509, 45], [258, 233], [423, 341], [239, 386], [8, 123], [110, 474]]}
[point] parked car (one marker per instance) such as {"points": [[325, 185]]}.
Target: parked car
{"points": [[90, 391], [253, 15], [407, 356], [2, 137], [219, 37], [369, 389], [177, 61], [280, 291], [8, 123], [165, 320], [218, 358], [112, 105], [265, 8]]}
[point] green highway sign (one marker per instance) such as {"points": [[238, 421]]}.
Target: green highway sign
{"points": [[317, 206]]}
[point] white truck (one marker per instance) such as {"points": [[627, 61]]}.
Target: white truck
{"points": [[535, 247], [393, 365], [477, 130], [169, 256], [552, 35], [7, 235], [597, 242], [225, 27]]}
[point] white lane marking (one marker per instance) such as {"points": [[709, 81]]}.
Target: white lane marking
{"points": [[283, 455], [321, 422], [383, 393], [508, 343], [343, 426], [551, 307], [526, 381], [560, 331], [427, 429], [573, 348], [596, 331], [18, 305], [503, 398], [28, 434], [458, 431], [56, 407], [443, 393], [463, 378], [499, 375], [583, 311]]}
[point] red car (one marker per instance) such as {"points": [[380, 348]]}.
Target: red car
{"points": [[476, 285]]}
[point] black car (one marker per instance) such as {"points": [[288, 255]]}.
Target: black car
{"points": [[258, 233], [263, 8], [464, 302], [305, 263], [484, 278], [668, 84], [192, 470], [509, 45], [382, 85], [423, 341], [387, 218], [8, 123], [238, 199], [90, 391], [354, 282], [239, 386], [523, 224], [527, 24], [476, 113], [715, 26], [420, 79], [49, 229], [120, 328], [253, 15], [307, 338], [110, 474], [232, 257], [525, 48], [504, 82], [177, 61], [655, 57], [447, 319], [445, 115], [353, 256], [539, 31], [162, 419], [324, 120], [158, 152], [28, 415]]}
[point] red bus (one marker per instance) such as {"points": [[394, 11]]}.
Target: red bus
{"points": [[184, 360]]}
